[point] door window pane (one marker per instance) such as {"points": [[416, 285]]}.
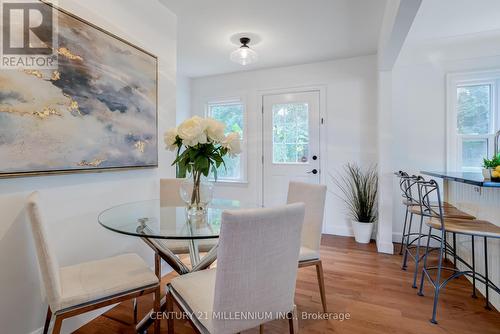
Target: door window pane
{"points": [[231, 114], [290, 133], [473, 152], [474, 109]]}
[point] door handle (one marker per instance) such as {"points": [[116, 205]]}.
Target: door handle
{"points": [[314, 171]]}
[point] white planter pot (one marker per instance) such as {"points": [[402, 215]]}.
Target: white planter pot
{"points": [[487, 174], [362, 232]]}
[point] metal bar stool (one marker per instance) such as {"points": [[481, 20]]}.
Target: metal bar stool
{"points": [[406, 182], [473, 228], [416, 207]]}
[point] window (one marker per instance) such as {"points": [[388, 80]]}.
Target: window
{"points": [[231, 113], [473, 117], [290, 133]]}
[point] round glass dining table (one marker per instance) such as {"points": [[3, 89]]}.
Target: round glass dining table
{"points": [[168, 230], [150, 219]]}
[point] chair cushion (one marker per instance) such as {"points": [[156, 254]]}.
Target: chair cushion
{"points": [[447, 213], [433, 204], [308, 254], [467, 226], [198, 290], [182, 246], [94, 280]]}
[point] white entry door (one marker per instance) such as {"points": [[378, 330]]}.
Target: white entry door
{"points": [[290, 143]]}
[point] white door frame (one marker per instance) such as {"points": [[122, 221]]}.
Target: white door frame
{"points": [[321, 88]]}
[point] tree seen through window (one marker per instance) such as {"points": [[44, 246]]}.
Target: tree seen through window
{"points": [[231, 114]]}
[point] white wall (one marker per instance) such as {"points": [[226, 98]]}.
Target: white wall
{"points": [[418, 102], [350, 115], [385, 163], [72, 202], [183, 98]]}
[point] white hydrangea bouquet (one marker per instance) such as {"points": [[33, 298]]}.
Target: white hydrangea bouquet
{"points": [[201, 145]]}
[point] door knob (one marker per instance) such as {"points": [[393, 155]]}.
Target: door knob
{"points": [[314, 171]]}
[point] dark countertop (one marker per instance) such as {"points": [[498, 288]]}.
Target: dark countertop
{"points": [[475, 179]]}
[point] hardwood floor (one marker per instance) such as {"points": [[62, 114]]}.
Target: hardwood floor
{"points": [[369, 286]]}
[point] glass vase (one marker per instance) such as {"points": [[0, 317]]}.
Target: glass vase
{"points": [[197, 192]]}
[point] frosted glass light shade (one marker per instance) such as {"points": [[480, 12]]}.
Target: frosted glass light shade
{"points": [[244, 55]]}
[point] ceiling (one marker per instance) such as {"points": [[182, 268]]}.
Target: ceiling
{"points": [[454, 18], [453, 29], [289, 31]]}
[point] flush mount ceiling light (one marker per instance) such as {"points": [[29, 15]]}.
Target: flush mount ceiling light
{"points": [[244, 55]]}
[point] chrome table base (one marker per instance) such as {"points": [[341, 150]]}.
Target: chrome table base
{"points": [[161, 250]]}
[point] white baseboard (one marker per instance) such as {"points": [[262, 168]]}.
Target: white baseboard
{"points": [[37, 331], [385, 247], [344, 231], [396, 236]]}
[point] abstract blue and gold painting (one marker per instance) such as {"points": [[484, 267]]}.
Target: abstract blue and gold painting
{"points": [[96, 111]]}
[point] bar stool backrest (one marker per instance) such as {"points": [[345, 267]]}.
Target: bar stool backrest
{"points": [[428, 193], [403, 183], [407, 184]]}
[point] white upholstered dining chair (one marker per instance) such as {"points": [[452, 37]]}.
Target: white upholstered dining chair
{"points": [[87, 286], [255, 274], [313, 196], [170, 196]]}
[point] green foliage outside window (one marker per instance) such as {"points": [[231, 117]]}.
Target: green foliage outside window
{"points": [[231, 114], [290, 132], [474, 109]]}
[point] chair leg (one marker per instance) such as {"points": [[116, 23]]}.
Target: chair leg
{"points": [[445, 244], [487, 284], [47, 321], [321, 283], [293, 321], [454, 250], [405, 251], [404, 232], [261, 329], [424, 268], [157, 309], [437, 283], [134, 305], [417, 254], [473, 247], [57, 325], [170, 313]]}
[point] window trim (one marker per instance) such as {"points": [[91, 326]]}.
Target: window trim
{"points": [[453, 139], [244, 148]]}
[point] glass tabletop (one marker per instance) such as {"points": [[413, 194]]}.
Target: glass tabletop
{"points": [[150, 219]]}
